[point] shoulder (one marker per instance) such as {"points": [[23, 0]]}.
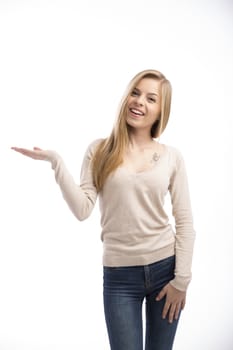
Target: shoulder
{"points": [[95, 143], [175, 157], [172, 151], [92, 146]]}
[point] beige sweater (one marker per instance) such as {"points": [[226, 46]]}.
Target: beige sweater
{"points": [[135, 226]]}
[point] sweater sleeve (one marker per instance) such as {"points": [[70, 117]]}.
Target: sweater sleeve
{"points": [[80, 198], [185, 234]]}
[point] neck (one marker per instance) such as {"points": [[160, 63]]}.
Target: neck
{"points": [[140, 140]]}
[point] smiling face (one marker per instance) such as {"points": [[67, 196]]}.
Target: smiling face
{"points": [[143, 104]]}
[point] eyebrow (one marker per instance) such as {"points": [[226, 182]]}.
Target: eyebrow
{"points": [[149, 93]]}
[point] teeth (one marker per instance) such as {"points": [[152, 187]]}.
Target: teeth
{"points": [[136, 111]]}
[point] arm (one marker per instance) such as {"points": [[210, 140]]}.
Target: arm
{"points": [[80, 198], [175, 291], [185, 234]]}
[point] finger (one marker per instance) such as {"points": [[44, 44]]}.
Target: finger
{"points": [[172, 312], [165, 310], [28, 153], [21, 150], [183, 304], [177, 312], [24, 151], [161, 294], [37, 149]]}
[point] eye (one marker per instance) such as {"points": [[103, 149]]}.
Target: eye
{"points": [[152, 99], [134, 93]]}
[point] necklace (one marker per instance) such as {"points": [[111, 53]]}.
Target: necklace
{"points": [[155, 157]]}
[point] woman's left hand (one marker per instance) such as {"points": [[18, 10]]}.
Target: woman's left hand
{"points": [[175, 301]]}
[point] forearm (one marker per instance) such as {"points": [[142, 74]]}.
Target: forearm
{"points": [[80, 199], [184, 252]]}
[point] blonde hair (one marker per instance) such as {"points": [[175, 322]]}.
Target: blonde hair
{"points": [[109, 153]]}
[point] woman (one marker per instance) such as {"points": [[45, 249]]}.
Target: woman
{"points": [[143, 258]]}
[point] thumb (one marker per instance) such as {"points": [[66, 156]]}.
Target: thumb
{"points": [[161, 294]]}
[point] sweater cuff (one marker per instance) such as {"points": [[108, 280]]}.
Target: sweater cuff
{"points": [[53, 157], [181, 283]]}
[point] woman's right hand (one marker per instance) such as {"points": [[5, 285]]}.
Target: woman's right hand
{"points": [[36, 153]]}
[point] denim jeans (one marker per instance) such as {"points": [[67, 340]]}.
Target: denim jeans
{"points": [[125, 288]]}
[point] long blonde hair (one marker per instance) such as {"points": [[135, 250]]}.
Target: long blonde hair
{"points": [[109, 153]]}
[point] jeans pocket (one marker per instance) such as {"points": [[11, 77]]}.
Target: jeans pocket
{"points": [[163, 272]]}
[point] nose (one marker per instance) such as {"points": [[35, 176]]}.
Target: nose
{"points": [[140, 100]]}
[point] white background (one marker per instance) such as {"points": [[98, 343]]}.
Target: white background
{"points": [[64, 66]]}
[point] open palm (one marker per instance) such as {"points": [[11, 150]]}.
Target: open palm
{"points": [[36, 153]]}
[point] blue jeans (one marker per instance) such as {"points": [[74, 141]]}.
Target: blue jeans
{"points": [[124, 291]]}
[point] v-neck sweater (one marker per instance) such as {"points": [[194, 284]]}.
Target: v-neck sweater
{"points": [[135, 226]]}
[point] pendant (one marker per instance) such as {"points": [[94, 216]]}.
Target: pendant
{"points": [[155, 157]]}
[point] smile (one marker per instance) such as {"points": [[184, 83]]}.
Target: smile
{"points": [[136, 112]]}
